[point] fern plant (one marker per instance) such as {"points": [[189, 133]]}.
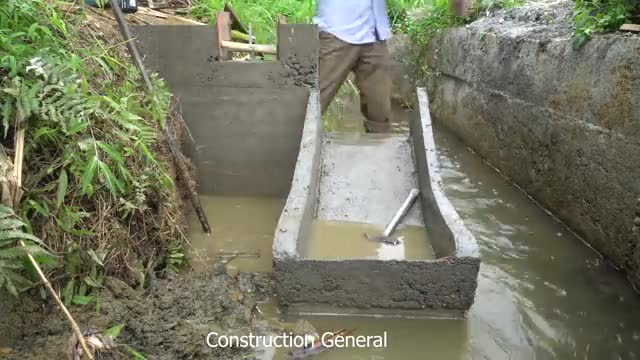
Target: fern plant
{"points": [[12, 253]]}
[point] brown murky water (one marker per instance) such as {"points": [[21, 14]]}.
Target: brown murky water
{"points": [[242, 232], [346, 240], [542, 293]]}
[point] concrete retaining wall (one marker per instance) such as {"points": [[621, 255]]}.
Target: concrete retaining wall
{"points": [[563, 124], [246, 118]]}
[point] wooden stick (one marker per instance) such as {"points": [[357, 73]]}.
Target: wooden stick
{"points": [[151, 12], [126, 34], [184, 173], [17, 172], [242, 47], [630, 27], [235, 34], [47, 284], [173, 147]]}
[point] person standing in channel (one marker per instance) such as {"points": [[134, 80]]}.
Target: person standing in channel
{"points": [[353, 36]]}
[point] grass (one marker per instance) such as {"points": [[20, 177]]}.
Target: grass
{"points": [[97, 187]]}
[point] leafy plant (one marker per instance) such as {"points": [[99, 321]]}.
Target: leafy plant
{"points": [[593, 16], [12, 254], [262, 14], [114, 331], [437, 17], [97, 177], [176, 258]]}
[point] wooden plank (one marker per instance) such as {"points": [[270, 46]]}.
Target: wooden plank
{"points": [[630, 27], [242, 47], [152, 12], [235, 21], [223, 26]]}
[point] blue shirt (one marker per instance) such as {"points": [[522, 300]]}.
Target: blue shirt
{"points": [[353, 21]]}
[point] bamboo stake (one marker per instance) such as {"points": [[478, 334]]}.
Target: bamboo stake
{"points": [[242, 47], [17, 172], [175, 152]]}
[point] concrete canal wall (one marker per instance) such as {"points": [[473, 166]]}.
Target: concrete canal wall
{"points": [[563, 124], [245, 117]]}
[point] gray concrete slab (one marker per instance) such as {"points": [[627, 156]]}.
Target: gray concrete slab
{"points": [[366, 177], [246, 118], [236, 142]]}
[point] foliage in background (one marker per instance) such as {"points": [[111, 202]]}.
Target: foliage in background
{"points": [[12, 255], [262, 14], [434, 18], [97, 188], [592, 16]]}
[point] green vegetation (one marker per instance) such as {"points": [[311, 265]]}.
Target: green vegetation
{"points": [[437, 17], [263, 14], [598, 16], [12, 255], [97, 189]]}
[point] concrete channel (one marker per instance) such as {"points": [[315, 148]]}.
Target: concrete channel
{"points": [[334, 180], [257, 130]]}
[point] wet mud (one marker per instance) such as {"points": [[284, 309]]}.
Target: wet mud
{"points": [[169, 322]]}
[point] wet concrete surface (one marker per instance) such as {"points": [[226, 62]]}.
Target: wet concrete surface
{"points": [[366, 177]]}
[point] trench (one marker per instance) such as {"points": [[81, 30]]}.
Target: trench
{"points": [[542, 293]]}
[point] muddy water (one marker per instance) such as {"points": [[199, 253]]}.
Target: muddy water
{"points": [[542, 293], [346, 240], [242, 232]]}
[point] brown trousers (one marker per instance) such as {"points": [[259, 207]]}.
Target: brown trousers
{"points": [[369, 63]]}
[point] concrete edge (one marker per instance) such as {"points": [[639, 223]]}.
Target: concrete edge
{"points": [[299, 209], [465, 243], [447, 283]]}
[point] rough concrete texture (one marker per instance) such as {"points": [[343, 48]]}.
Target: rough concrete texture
{"points": [[448, 283], [299, 210], [449, 233], [366, 177], [246, 118], [540, 19], [562, 124]]}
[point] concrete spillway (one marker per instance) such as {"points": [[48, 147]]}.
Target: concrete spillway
{"points": [[257, 131]]}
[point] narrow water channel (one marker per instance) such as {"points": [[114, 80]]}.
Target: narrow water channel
{"points": [[542, 293]]}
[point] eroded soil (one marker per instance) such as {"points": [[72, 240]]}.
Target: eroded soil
{"points": [[168, 322]]}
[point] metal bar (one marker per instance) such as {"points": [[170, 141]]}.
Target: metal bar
{"points": [[404, 209]]}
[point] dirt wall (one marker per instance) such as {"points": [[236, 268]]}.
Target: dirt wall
{"points": [[563, 124]]}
